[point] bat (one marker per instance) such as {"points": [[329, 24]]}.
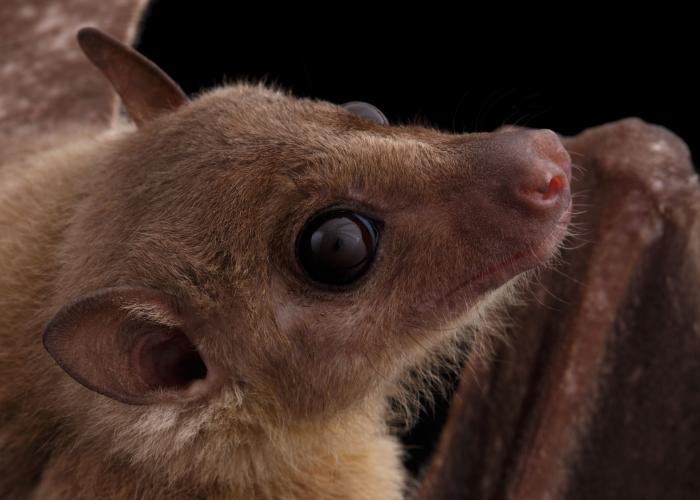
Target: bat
{"points": [[584, 398], [225, 298]]}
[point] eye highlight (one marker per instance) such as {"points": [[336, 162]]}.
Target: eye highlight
{"points": [[337, 247]]}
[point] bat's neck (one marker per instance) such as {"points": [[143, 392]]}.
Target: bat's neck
{"points": [[352, 458]]}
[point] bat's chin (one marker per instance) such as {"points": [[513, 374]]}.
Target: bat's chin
{"points": [[500, 272]]}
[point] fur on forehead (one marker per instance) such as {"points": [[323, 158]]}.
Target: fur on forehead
{"points": [[286, 120], [264, 134]]}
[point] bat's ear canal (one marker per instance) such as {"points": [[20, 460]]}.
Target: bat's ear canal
{"points": [[133, 345], [145, 89], [366, 111]]}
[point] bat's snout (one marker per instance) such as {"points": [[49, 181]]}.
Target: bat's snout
{"points": [[535, 174]]}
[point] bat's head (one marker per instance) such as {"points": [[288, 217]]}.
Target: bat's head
{"points": [[299, 254]]}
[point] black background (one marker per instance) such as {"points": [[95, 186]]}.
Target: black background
{"points": [[463, 76]]}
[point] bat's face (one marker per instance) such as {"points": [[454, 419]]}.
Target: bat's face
{"points": [[294, 251], [316, 254]]}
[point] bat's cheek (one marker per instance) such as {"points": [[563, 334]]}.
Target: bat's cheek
{"points": [[487, 256]]}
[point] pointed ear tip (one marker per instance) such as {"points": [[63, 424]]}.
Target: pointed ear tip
{"points": [[46, 340], [87, 38], [50, 338], [86, 33], [90, 38]]}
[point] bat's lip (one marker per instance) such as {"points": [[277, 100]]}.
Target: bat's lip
{"points": [[506, 269]]}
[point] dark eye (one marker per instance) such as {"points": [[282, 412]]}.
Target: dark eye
{"points": [[337, 247]]}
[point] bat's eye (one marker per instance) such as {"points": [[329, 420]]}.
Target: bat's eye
{"points": [[337, 247]]}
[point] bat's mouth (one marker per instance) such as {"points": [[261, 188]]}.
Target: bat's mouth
{"points": [[532, 256], [504, 270]]}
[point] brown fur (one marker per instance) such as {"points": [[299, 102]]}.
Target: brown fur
{"points": [[203, 204]]}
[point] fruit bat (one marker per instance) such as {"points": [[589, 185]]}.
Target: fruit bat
{"points": [[70, 430]]}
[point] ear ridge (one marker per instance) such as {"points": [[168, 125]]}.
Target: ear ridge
{"points": [[149, 312], [129, 344], [145, 89]]}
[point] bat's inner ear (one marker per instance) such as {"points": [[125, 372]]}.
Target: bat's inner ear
{"points": [[366, 111], [166, 359], [131, 344], [145, 89]]}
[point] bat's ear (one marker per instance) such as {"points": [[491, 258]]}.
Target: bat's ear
{"points": [[367, 111], [145, 89], [131, 344]]}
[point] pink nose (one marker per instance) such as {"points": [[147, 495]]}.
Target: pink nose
{"points": [[544, 180], [546, 186]]}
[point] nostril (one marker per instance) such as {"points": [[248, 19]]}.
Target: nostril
{"points": [[553, 187], [545, 192], [539, 173]]}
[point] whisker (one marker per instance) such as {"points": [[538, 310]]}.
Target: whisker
{"points": [[572, 152], [574, 280]]}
